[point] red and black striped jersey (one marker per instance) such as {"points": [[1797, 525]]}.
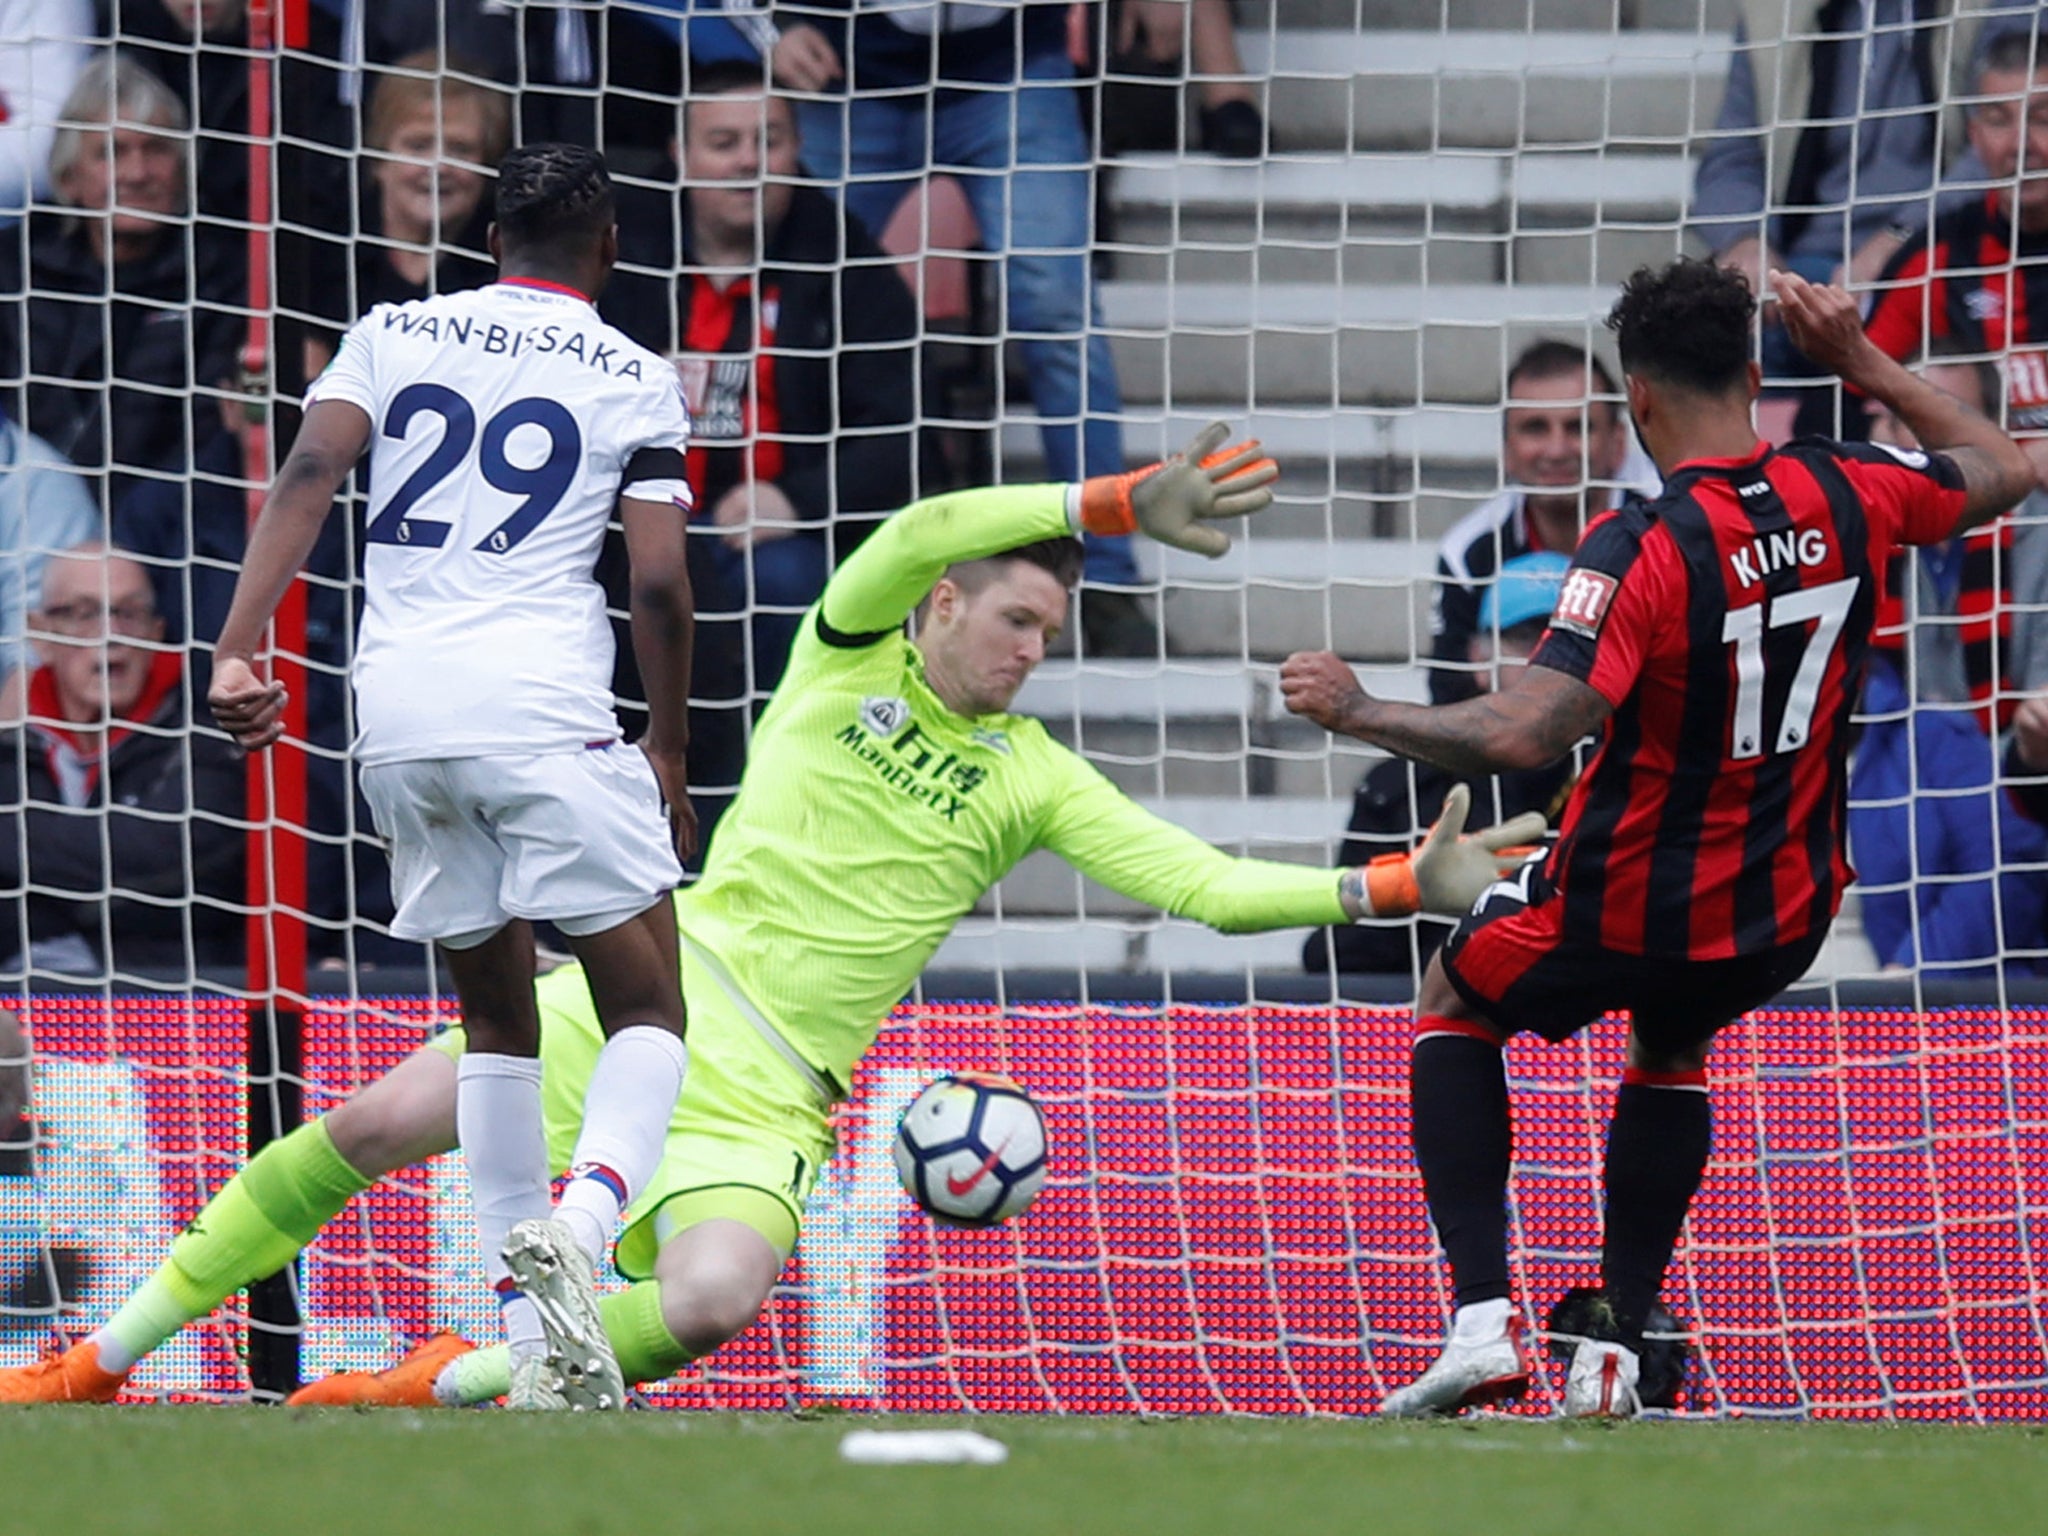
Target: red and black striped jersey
{"points": [[1726, 622], [1968, 281], [726, 355]]}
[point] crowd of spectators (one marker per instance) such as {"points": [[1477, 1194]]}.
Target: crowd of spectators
{"points": [[751, 257], [1829, 151], [762, 152]]}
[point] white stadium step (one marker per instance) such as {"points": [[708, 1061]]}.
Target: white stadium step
{"points": [[1396, 564], [1326, 434], [1340, 53], [1617, 183], [1312, 342], [1144, 307], [1181, 689], [1505, 88], [1023, 943], [1468, 17], [1069, 944]]}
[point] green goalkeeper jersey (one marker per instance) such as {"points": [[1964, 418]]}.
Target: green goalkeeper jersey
{"points": [[871, 817]]}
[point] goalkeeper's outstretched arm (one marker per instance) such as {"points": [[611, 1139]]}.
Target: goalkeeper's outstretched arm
{"points": [[884, 580], [1174, 501], [1110, 838]]}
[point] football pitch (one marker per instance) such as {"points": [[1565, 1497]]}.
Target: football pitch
{"points": [[191, 1471]]}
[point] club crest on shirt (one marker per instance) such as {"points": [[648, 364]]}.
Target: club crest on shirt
{"points": [[716, 389], [1582, 603], [883, 717], [2026, 389], [1984, 303]]}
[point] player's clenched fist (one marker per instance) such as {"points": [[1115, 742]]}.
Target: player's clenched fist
{"points": [[1321, 687], [246, 707]]}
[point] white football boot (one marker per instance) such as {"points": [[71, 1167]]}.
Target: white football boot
{"points": [[549, 1266], [1602, 1383], [534, 1389], [1485, 1360]]}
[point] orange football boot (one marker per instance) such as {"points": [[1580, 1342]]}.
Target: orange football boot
{"points": [[69, 1376], [408, 1384]]}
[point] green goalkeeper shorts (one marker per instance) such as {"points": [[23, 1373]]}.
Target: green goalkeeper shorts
{"points": [[748, 1138]]}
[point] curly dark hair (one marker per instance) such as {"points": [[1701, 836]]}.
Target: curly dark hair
{"points": [[553, 198], [1687, 323]]}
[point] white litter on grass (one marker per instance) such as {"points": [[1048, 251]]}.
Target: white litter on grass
{"points": [[909, 1447]]}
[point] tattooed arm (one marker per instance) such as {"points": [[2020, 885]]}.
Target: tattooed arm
{"points": [[1532, 722]]}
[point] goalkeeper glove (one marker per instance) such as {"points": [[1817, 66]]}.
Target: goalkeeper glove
{"points": [[1449, 872], [1173, 500]]}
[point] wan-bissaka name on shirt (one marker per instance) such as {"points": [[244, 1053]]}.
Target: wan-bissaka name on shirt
{"points": [[917, 768], [510, 341]]}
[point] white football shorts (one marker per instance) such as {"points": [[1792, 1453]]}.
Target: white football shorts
{"points": [[578, 839]]}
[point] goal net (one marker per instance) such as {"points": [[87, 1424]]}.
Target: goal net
{"points": [[1337, 224]]}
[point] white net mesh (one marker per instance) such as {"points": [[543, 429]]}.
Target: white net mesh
{"points": [[1233, 1221]]}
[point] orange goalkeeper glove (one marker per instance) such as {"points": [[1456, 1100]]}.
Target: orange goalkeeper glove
{"points": [[1449, 872], [1174, 499]]}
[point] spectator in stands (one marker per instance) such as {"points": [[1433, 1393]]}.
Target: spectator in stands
{"points": [[796, 339], [122, 311], [44, 506], [1398, 798], [44, 44], [1823, 160], [797, 342], [1824, 151], [2026, 760], [116, 834], [1954, 879], [200, 50], [1965, 622], [1979, 279], [1176, 39], [431, 136], [985, 93], [1564, 447], [604, 75], [191, 536]]}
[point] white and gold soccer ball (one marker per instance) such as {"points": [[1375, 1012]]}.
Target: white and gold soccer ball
{"points": [[971, 1149]]}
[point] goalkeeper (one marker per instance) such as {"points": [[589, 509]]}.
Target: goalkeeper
{"points": [[887, 789]]}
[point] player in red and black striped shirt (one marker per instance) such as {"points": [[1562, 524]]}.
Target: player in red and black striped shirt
{"points": [[1714, 638]]}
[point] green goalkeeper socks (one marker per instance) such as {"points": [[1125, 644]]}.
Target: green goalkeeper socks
{"points": [[647, 1351], [256, 1225]]}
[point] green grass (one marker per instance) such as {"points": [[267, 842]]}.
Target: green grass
{"points": [[195, 1471]]}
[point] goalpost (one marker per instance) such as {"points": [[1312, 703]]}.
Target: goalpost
{"points": [[1233, 1222]]}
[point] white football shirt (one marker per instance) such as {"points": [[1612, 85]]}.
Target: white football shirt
{"points": [[506, 421]]}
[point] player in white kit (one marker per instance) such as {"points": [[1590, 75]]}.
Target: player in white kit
{"points": [[503, 426]]}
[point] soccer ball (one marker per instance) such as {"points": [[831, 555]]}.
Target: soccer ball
{"points": [[971, 1149]]}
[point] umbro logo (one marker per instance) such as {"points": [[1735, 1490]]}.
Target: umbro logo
{"points": [[1984, 303]]}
